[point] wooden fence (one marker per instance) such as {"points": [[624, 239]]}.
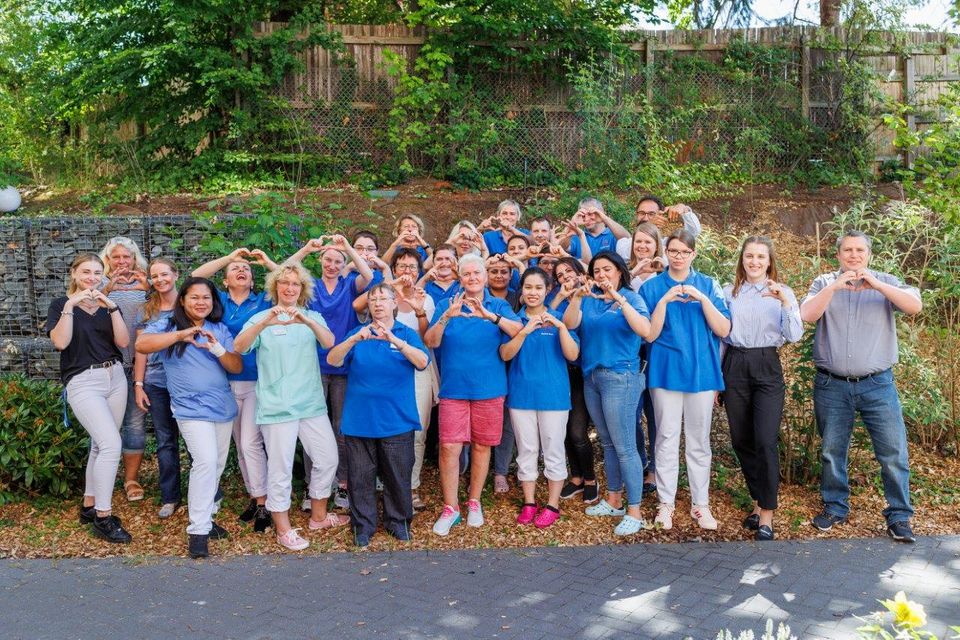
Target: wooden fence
{"points": [[914, 68]]}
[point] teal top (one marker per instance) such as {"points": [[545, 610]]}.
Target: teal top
{"points": [[288, 371]]}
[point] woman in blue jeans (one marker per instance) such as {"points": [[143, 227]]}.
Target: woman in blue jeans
{"points": [[612, 322], [150, 384]]}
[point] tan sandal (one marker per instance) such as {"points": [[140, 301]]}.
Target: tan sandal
{"points": [[332, 521], [133, 490]]}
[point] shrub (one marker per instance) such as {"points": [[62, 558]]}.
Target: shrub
{"points": [[39, 454]]}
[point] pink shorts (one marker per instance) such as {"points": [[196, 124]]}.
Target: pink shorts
{"points": [[474, 421]]}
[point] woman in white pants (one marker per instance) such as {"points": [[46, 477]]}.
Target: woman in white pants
{"points": [[89, 332], [290, 401], [197, 352], [689, 317], [539, 396], [240, 303]]}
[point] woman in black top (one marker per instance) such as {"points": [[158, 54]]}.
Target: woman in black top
{"points": [[88, 330]]}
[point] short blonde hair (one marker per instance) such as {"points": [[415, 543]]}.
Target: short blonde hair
{"points": [[471, 258], [306, 280], [408, 216], [456, 230], [129, 245]]}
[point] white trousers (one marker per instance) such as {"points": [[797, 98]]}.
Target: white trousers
{"points": [[208, 444], [536, 430], [98, 398], [693, 411], [319, 444], [425, 390], [251, 456]]}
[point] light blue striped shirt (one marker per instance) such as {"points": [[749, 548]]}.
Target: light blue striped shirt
{"points": [[761, 321]]}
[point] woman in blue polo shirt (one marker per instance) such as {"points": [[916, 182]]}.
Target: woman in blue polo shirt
{"points": [[333, 298], [689, 318], [612, 324], [469, 328], [441, 280], [240, 303], [197, 352], [539, 396], [502, 227], [380, 415]]}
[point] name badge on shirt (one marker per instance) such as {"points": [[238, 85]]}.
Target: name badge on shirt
{"points": [[278, 331]]}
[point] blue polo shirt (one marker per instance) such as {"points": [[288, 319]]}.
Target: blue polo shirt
{"points": [[154, 373], [469, 357], [494, 240], [438, 293], [337, 310], [603, 241], [375, 280], [235, 316], [686, 355], [606, 339], [381, 400], [537, 375], [196, 380]]}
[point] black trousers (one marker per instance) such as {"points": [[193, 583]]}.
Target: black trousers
{"points": [[392, 460], [754, 403], [577, 443]]}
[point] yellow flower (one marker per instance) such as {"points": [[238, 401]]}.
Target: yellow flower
{"points": [[906, 613]]}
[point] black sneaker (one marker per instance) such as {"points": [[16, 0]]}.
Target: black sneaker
{"points": [[901, 531], [87, 514], [752, 522], [649, 487], [250, 512], [590, 493], [218, 533], [109, 529], [198, 547], [262, 520], [764, 533], [570, 489], [825, 521]]}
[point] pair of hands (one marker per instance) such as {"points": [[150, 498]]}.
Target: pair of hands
{"points": [[504, 257], [543, 320], [493, 222], [410, 240], [253, 256], [673, 213], [568, 228], [857, 280], [90, 297], [335, 242], [585, 287], [376, 331], [475, 308], [649, 265], [416, 299], [125, 277]]}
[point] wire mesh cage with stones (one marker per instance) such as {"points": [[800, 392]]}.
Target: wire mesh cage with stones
{"points": [[17, 304]]}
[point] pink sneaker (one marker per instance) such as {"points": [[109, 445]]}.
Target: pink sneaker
{"points": [[546, 517], [527, 513], [292, 540]]}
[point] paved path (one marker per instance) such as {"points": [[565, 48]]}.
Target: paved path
{"points": [[638, 591]]}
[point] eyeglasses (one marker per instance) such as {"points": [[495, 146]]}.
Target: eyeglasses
{"points": [[679, 253], [384, 299], [405, 267]]}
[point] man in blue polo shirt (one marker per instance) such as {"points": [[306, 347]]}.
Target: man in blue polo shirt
{"points": [[594, 219]]}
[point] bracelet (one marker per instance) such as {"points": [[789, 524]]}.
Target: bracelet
{"points": [[66, 313], [113, 309], [138, 383], [218, 349], [443, 321], [421, 314], [497, 320]]}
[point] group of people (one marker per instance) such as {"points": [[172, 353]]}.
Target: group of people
{"points": [[507, 338]]}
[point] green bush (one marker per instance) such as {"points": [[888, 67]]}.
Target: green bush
{"points": [[39, 455]]}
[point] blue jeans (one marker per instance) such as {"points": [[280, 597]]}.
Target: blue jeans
{"points": [[168, 442], [836, 403], [611, 399], [133, 429]]}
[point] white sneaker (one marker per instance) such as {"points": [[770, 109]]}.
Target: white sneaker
{"points": [[664, 516], [341, 499], [447, 520], [474, 513], [167, 509], [216, 506], [701, 513], [293, 540], [306, 505]]}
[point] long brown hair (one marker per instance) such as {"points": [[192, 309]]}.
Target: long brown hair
{"points": [[79, 260], [151, 307], [741, 276]]}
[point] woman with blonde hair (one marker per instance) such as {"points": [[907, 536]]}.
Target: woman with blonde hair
{"points": [[290, 400], [150, 384], [89, 331], [466, 239], [408, 232], [125, 283]]}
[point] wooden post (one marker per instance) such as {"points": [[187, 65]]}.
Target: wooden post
{"points": [[909, 89], [805, 78], [648, 68]]}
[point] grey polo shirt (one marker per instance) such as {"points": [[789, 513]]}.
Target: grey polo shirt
{"points": [[857, 334]]}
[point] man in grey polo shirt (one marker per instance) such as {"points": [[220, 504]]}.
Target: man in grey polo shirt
{"points": [[650, 209], [854, 348]]}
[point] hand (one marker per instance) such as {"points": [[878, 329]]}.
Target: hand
{"points": [[420, 241], [557, 251], [319, 244], [677, 293], [240, 253], [549, 318], [514, 262], [497, 257], [577, 220], [190, 335], [868, 280], [488, 223], [675, 211], [100, 297], [456, 306], [141, 398], [382, 333], [273, 317], [81, 296], [534, 251], [431, 274], [477, 309], [533, 323], [642, 266], [365, 333], [259, 257], [775, 290], [416, 300], [609, 292], [848, 280]]}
